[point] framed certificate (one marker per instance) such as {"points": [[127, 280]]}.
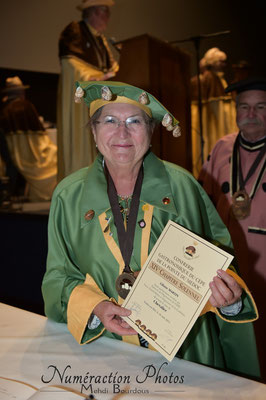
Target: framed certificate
{"points": [[173, 287]]}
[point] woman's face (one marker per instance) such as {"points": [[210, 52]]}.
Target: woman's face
{"points": [[122, 134]]}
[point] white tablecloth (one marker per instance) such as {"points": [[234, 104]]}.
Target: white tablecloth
{"points": [[41, 352]]}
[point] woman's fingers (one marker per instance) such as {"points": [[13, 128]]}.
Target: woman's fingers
{"points": [[225, 290], [111, 316]]}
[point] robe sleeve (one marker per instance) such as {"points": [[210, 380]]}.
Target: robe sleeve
{"points": [[69, 295]]}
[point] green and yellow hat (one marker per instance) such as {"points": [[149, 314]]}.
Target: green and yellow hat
{"points": [[99, 93]]}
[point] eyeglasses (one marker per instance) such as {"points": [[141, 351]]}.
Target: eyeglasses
{"points": [[133, 124]]}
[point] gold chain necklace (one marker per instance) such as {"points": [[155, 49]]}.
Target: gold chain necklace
{"points": [[124, 209]]}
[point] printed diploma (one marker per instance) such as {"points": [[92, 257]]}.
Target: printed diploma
{"points": [[173, 287]]}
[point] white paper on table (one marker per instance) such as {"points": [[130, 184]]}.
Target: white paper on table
{"points": [[17, 390]]}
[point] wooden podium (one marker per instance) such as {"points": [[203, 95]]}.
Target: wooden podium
{"points": [[164, 71]]}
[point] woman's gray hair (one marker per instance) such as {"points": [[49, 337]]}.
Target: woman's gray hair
{"points": [[94, 118]]}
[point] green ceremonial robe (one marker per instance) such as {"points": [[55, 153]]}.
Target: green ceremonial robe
{"points": [[84, 258]]}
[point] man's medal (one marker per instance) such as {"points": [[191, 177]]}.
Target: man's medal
{"points": [[241, 200], [240, 204]]}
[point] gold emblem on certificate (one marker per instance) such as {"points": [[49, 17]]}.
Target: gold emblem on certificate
{"points": [[240, 204]]}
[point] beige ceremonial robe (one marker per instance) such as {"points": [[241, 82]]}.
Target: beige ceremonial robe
{"points": [[31, 149], [218, 116], [76, 146]]}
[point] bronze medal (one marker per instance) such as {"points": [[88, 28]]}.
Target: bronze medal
{"points": [[241, 204], [241, 200], [124, 283], [126, 279]]}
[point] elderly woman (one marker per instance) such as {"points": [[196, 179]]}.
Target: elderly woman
{"points": [[106, 218]]}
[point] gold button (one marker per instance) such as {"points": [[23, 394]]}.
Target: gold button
{"points": [[166, 200], [89, 215], [145, 207]]}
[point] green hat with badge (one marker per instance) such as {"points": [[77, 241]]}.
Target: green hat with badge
{"points": [[97, 94]]}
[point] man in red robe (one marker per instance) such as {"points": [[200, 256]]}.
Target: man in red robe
{"points": [[234, 177]]}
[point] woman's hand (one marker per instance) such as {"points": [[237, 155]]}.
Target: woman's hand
{"points": [[225, 290], [110, 315]]}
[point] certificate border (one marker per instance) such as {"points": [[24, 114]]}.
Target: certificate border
{"points": [[206, 243]]}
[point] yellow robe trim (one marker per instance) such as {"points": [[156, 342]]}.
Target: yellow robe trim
{"points": [[111, 243], [82, 301], [145, 239]]}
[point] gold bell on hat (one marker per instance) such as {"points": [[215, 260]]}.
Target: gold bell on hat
{"points": [[167, 120], [106, 93], [143, 98], [79, 93]]}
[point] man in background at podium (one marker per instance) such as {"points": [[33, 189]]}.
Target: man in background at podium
{"points": [[84, 55], [217, 107]]}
